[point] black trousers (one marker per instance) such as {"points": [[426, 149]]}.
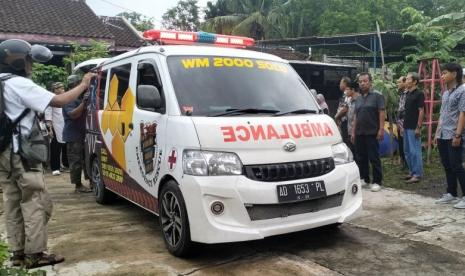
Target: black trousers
{"points": [[451, 159], [367, 148], [345, 132], [76, 160], [400, 141], [57, 155]]}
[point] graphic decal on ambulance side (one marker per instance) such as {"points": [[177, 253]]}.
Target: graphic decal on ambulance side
{"points": [[116, 118], [172, 159], [147, 151]]}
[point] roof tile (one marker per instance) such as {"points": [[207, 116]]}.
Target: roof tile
{"points": [[51, 17]]}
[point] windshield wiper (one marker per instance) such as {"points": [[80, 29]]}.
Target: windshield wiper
{"points": [[297, 111], [238, 111]]}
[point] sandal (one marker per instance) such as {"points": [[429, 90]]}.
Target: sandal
{"points": [[42, 259], [18, 258], [82, 189], [414, 179], [408, 176]]}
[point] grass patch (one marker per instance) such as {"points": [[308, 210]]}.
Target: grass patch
{"points": [[432, 184]]}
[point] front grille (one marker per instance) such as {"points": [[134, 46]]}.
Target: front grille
{"points": [[289, 171], [270, 211]]}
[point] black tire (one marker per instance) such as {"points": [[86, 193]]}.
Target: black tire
{"points": [[174, 223], [335, 227], [102, 195]]}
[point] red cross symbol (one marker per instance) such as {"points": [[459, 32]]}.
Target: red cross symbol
{"points": [[172, 159]]}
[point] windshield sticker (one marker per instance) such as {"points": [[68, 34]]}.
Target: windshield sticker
{"points": [[270, 132], [219, 62]]}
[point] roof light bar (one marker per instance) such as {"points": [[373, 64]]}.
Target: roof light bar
{"points": [[183, 38]]}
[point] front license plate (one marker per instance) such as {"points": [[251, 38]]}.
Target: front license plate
{"points": [[301, 191]]}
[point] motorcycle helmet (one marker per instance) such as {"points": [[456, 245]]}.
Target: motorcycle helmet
{"points": [[16, 52], [73, 81]]}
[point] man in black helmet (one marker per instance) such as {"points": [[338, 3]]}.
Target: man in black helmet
{"points": [[27, 203], [74, 133]]}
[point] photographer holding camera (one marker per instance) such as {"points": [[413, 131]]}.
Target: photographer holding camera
{"points": [[74, 133]]}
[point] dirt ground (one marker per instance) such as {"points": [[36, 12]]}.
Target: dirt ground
{"points": [[399, 233]]}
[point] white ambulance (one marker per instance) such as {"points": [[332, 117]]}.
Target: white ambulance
{"points": [[223, 144]]}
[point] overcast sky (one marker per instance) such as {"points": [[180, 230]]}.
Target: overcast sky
{"points": [[150, 8]]}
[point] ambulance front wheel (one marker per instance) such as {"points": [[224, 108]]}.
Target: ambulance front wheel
{"points": [[173, 220], [102, 195]]}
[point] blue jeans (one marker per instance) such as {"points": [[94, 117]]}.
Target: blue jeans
{"points": [[412, 150]]}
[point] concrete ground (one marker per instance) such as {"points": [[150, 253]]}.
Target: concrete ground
{"points": [[399, 233]]}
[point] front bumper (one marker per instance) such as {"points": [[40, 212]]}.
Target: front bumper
{"points": [[240, 195]]}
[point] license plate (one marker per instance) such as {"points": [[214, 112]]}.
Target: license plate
{"points": [[301, 191]]}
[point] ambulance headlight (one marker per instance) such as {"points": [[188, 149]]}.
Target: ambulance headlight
{"points": [[196, 162], [342, 154]]}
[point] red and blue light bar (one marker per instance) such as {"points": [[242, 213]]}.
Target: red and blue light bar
{"points": [[187, 38]]}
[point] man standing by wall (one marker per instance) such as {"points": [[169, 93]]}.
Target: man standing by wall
{"points": [[450, 133], [74, 134], [368, 129], [414, 110]]}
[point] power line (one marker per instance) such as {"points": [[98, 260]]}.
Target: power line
{"points": [[127, 9]]}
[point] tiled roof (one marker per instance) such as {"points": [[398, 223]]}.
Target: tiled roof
{"points": [[124, 35], [71, 18]]}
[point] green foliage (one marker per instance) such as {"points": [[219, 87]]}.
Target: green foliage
{"points": [[293, 18], [139, 21], [44, 75], [389, 91], [3, 252], [183, 17], [267, 19], [436, 38], [82, 53]]}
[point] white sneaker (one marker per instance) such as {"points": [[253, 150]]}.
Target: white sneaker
{"points": [[56, 172], [460, 204], [446, 198], [375, 187]]}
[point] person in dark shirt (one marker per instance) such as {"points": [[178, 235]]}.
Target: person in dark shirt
{"points": [[414, 110], [400, 118], [368, 129], [73, 134]]}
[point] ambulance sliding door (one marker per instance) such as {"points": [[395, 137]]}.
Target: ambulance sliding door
{"points": [[148, 126]]}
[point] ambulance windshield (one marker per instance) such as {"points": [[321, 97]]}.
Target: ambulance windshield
{"points": [[206, 86]]}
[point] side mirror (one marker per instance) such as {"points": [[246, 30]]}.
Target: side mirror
{"points": [[148, 97]]}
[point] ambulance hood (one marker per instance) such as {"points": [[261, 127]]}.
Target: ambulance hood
{"points": [[263, 140]]}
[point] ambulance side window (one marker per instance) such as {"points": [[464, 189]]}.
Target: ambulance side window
{"points": [[121, 75], [147, 74], [101, 90]]}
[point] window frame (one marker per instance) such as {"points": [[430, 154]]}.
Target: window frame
{"points": [[153, 63]]}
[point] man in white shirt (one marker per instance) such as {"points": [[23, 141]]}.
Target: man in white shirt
{"points": [[26, 201], [55, 122]]}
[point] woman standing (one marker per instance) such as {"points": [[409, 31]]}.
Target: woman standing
{"points": [[322, 103], [55, 122]]}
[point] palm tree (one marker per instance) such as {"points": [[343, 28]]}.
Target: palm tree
{"points": [[255, 18]]}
